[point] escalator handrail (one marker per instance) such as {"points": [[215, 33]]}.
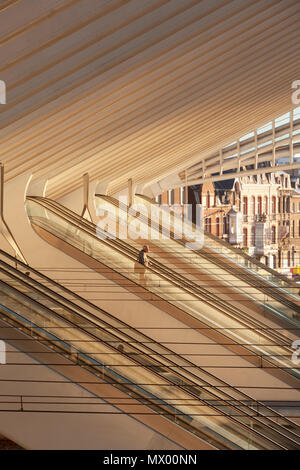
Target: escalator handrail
{"points": [[232, 418], [84, 224], [237, 251], [30, 280], [263, 286], [75, 224]]}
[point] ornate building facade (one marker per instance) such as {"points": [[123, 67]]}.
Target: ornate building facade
{"points": [[259, 214]]}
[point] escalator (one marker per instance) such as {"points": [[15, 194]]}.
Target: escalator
{"points": [[231, 265], [194, 305], [264, 348], [271, 296], [151, 376]]}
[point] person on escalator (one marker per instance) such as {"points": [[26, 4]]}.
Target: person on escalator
{"points": [[142, 263], [143, 256]]}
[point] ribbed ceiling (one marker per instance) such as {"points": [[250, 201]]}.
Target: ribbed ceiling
{"points": [[136, 89]]}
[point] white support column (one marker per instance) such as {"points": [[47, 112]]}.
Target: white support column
{"points": [[86, 197], [140, 189], [221, 161], [4, 228], [273, 144], [239, 155], [130, 192], [186, 188], [15, 194], [37, 187], [291, 138], [203, 169], [256, 150], [2, 92], [102, 188]]}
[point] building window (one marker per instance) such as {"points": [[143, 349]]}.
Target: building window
{"points": [[208, 224], [273, 205], [158, 199], [288, 205], [218, 226], [253, 205], [225, 225], [299, 228], [207, 200], [293, 229], [293, 256], [171, 197], [298, 206], [182, 195], [293, 207], [253, 236], [288, 258], [279, 259], [273, 234], [245, 205], [259, 205], [245, 237], [266, 204], [279, 205]]}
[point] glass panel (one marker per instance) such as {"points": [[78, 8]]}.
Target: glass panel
{"points": [[88, 242], [57, 325], [108, 252]]}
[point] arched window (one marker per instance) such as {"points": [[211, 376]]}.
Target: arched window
{"points": [[245, 237], [207, 200]]}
